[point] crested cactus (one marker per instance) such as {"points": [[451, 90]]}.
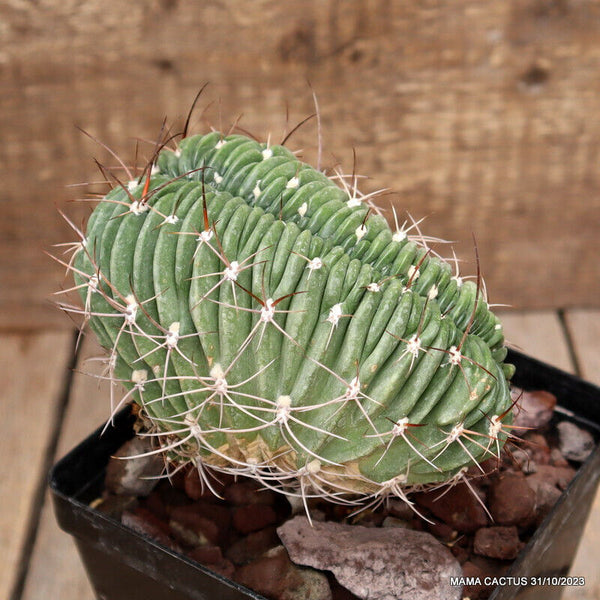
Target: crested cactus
{"points": [[269, 322]]}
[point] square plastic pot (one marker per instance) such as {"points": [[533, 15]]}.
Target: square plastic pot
{"points": [[123, 565]]}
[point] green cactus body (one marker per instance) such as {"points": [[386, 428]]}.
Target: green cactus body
{"points": [[270, 323]]}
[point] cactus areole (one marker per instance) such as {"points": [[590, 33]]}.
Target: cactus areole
{"points": [[269, 322]]}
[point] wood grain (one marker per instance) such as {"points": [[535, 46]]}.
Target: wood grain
{"points": [[584, 327], [32, 372], [481, 115], [56, 570], [538, 334]]}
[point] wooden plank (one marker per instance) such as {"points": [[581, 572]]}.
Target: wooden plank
{"points": [[538, 334], [480, 114], [56, 570], [584, 328], [33, 368]]}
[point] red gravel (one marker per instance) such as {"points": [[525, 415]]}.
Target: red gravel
{"points": [[234, 534]]}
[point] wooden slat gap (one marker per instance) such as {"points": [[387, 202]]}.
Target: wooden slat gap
{"points": [[569, 339]]}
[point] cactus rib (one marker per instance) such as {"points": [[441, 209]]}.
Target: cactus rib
{"points": [[269, 322]]}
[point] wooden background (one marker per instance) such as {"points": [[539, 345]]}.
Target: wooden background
{"points": [[482, 116]]}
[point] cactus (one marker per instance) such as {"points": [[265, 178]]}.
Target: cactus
{"points": [[269, 322]]}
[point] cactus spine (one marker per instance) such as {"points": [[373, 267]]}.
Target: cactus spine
{"points": [[269, 322]]}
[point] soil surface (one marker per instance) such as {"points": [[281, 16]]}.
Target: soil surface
{"points": [[484, 523]]}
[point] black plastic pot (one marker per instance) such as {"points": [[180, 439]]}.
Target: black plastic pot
{"points": [[124, 565]]}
